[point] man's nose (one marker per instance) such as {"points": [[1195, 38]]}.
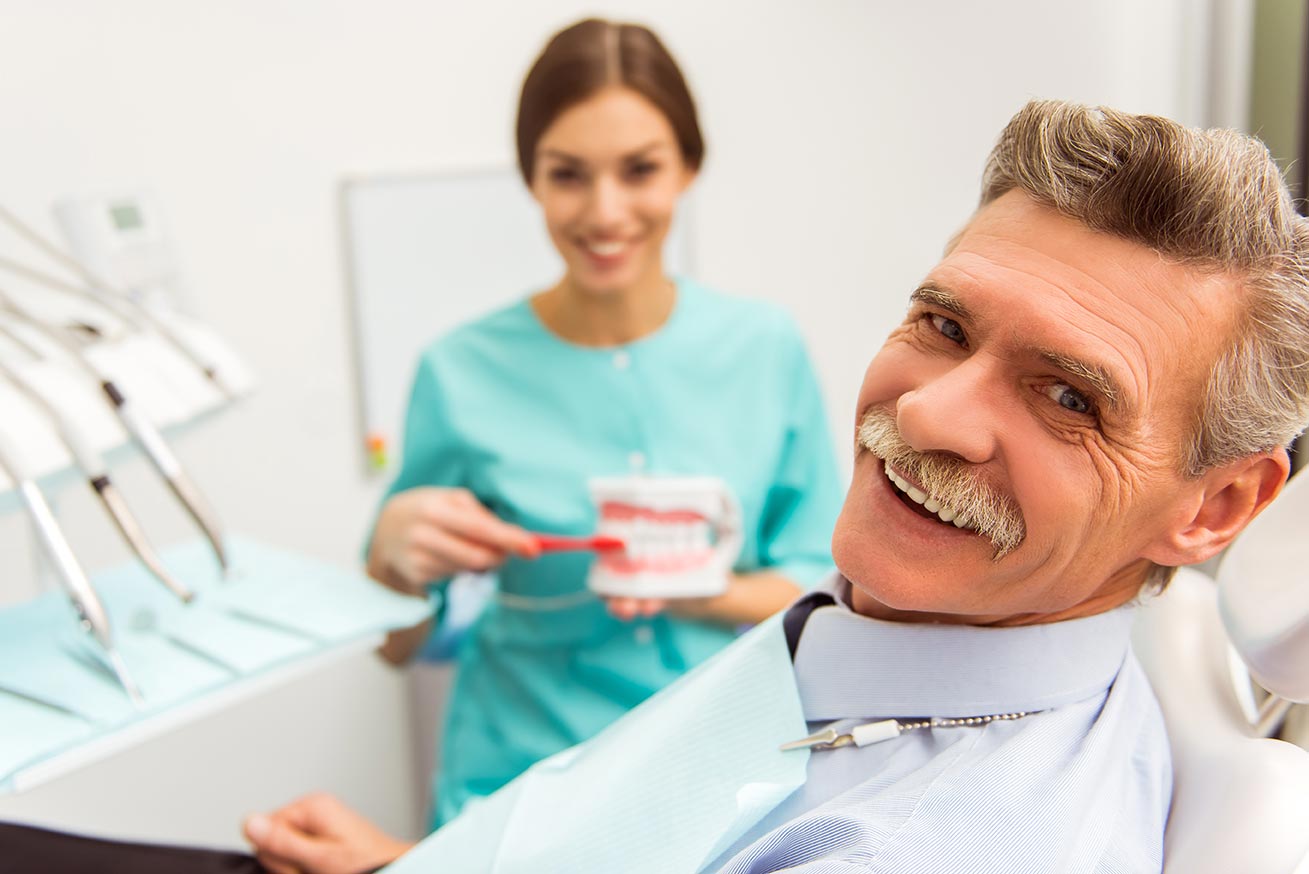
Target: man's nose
{"points": [[608, 204], [956, 411]]}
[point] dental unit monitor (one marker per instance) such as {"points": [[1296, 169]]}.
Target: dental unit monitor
{"points": [[121, 238]]}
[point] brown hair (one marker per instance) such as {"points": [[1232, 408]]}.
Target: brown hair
{"points": [[591, 55]]}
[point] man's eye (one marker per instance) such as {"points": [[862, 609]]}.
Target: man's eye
{"points": [[1070, 398], [950, 329]]}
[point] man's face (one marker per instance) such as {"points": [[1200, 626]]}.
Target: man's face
{"points": [[1051, 373]]}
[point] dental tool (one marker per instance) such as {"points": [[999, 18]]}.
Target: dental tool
{"points": [[142, 431], [106, 296], [95, 470], [90, 611]]}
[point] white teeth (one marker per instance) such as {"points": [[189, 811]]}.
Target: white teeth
{"points": [[650, 540], [604, 250], [918, 496]]}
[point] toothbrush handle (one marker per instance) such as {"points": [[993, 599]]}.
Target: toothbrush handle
{"points": [[598, 543]]}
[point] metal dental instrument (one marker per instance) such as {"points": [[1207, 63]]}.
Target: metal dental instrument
{"points": [[97, 476], [143, 432], [90, 611], [105, 295]]}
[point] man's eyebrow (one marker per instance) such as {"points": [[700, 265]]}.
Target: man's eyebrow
{"points": [[933, 296], [1097, 377]]}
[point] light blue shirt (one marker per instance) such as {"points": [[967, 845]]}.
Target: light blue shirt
{"points": [[503, 407], [1082, 785]]}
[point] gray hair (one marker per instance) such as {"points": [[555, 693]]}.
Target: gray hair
{"points": [[1213, 199]]}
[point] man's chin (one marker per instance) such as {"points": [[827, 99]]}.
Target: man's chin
{"points": [[887, 584], [880, 579]]}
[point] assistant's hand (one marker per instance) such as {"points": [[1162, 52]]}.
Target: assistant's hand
{"points": [[318, 834], [628, 609], [749, 599], [427, 533]]}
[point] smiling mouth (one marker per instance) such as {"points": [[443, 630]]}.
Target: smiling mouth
{"points": [[924, 504], [605, 248]]}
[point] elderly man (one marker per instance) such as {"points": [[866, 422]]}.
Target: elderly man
{"points": [[1094, 386]]}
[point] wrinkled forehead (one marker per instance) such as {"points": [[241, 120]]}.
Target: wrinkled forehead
{"points": [[1039, 284]]}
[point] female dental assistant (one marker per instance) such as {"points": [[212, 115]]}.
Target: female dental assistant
{"points": [[614, 369]]}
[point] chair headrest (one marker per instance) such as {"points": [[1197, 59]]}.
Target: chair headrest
{"points": [[1263, 593]]}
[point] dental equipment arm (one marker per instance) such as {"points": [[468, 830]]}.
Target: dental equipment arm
{"points": [[143, 432], [90, 611], [106, 296], [95, 470]]}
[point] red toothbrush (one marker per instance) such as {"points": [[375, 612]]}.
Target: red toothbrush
{"points": [[595, 543]]}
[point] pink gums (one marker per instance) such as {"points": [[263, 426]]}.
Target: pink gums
{"points": [[624, 564]]}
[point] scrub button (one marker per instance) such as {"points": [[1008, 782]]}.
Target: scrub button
{"points": [[643, 634], [622, 360], [636, 461]]}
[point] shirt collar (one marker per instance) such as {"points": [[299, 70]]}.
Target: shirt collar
{"points": [[852, 666]]}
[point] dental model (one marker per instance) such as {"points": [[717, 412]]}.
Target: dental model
{"points": [[681, 535], [666, 542]]}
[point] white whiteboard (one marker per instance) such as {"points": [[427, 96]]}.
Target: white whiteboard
{"points": [[427, 252]]}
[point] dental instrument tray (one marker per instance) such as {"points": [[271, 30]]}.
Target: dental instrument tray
{"points": [[275, 613]]}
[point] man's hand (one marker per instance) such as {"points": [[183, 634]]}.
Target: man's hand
{"points": [[319, 835]]}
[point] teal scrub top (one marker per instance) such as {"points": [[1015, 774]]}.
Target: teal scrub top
{"points": [[522, 418]]}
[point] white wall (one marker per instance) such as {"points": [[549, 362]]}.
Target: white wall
{"points": [[845, 142]]}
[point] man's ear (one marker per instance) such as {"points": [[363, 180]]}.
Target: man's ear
{"points": [[1228, 499]]}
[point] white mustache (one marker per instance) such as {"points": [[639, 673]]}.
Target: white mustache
{"points": [[995, 516]]}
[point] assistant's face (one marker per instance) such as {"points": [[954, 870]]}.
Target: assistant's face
{"points": [[608, 176], [1049, 376]]}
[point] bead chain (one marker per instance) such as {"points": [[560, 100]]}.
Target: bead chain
{"points": [[939, 722], [935, 722]]}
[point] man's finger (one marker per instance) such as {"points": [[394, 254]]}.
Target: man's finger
{"points": [[274, 865], [322, 813], [282, 840]]}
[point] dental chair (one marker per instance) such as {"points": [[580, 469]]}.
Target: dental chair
{"points": [[1210, 648]]}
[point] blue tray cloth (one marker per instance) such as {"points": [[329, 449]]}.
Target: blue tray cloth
{"points": [[274, 607]]}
